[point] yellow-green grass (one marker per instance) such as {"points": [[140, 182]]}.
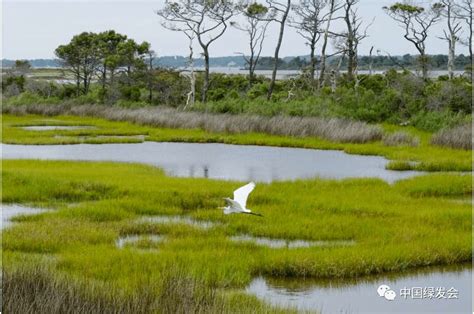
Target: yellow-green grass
{"points": [[425, 156], [394, 227]]}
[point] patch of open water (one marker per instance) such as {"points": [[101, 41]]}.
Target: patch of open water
{"points": [[427, 290], [221, 161]]}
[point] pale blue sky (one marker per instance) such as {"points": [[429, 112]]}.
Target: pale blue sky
{"points": [[34, 28]]}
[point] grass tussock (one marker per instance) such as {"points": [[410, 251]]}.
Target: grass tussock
{"points": [[400, 138], [37, 290], [333, 129], [457, 137]]}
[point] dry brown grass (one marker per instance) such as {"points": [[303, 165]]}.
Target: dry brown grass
{"points": [[400, 139], [340, 130], [457, 137]]}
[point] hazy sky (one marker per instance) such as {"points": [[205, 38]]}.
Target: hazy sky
{"points": [[34, 28]]}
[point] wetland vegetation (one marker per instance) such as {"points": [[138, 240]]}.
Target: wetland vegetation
{"points": [[416, 224], [124, 235]]}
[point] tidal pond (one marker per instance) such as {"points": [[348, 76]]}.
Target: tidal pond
{"points": [[11, 210], [56, 127], [289, 244], [427, 290], [221, 161]]}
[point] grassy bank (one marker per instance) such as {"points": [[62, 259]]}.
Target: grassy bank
{"points": [[392, 227], [407, 147]]}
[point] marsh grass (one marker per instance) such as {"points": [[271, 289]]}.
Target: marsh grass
{"points": [[340, 130], [37, 290], [424, 157], [400, 138], [457, 137], [413, 223]]}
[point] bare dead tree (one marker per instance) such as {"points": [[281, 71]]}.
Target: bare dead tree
{"points": [[206, 19], [416, 21], [451, 34], [151, 57], [371, 60], [353, 36], [464, 11], [333, 6], [280, 10], [307, 21], [191, 96], [257, 19]]}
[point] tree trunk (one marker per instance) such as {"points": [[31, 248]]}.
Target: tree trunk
{"points": [[277, 50], [150, 79], [205, 87], [252, 66], [424, 65], [312, 69], [371, 60], [325, 43], [104, 76], [451, 55], [78, 85], [350, 46]]}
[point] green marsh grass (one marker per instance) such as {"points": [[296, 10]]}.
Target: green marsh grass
{"points": [[414, 223], [424, 156], [394, 227]]}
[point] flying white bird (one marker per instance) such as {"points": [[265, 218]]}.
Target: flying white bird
{"points": [[239, 203]]}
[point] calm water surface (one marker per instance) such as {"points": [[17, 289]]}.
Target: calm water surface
{"points": [[56, 127], [11, 210], [221, 161], [360, 296]]}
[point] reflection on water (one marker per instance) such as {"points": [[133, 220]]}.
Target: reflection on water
{"points": [[11, 210], [221, 161], [360, 295], [290, 244], [178, 220], [56, 127], [132, 239]]}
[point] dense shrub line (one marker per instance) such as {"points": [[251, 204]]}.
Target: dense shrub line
{"points": [[397, 98]]}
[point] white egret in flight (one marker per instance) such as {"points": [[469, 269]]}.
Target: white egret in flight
{"points": [[239, 203]]}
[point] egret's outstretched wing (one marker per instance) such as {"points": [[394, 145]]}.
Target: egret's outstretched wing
{"points": [[242, 193], [232, 207]]}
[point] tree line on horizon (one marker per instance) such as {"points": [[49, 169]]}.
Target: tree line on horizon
{"points": [[378, 62], [206, 21], [118, 63]]}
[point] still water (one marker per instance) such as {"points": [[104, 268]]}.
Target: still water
{"points": [[221, 161], [11, 210], [361, 296]]}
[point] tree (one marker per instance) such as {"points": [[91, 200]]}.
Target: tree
{"points": [[453, 25], [257, 20], [307, 21], [280, 11], [206, 19], [81, 57], [151, 55], [464, 11], [109, 43], [416, 21], [21, 67], [328, 18], [353, 36]]}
